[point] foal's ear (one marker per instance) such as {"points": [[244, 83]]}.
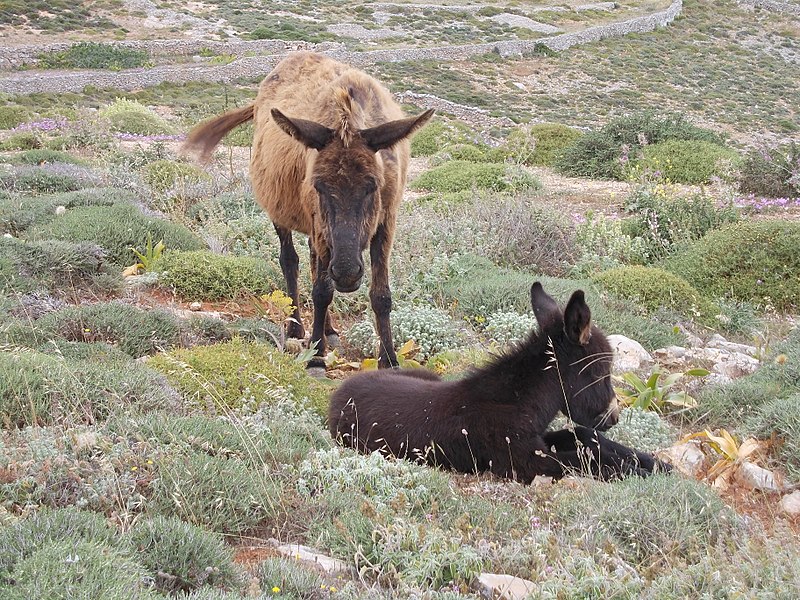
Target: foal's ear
{"points": [[578, 319], [388, 134], [544, 307], [309, 133]]}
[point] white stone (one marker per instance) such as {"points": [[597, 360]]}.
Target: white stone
{"points": [[195, 306], [7, 235], [60, 210], [504, 587], [735, 364], [687, 458], [629, 354], [790, 503], [312, 558], [757, 478]]}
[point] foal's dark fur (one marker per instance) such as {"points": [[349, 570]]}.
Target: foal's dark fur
{"points": [[496, 418]]}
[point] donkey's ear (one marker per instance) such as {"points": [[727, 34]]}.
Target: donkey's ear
{"points": [[309, 133], [388, 134], [578, 319], [544, 307]]}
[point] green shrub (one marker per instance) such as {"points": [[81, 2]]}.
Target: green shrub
{"points": [[162, 175], [287, 28], [466, 152], [19, 212], [655, 289], [93, 55], [135, 331], [753, 261], [437, 135], [116, 228], [540, 144], [688, 161], [231, 374], [604, 245], [292, 578], [37, 180], [46, 527], [650, 519], [54, 265], [24, 140], [773, 172], [204, 275], [780, 417], [605, 153], [458, 175], [644, 430], [180, 556], [80, 569], [41, 156], [128, 116], [12, 115], [509, 327], [664, 221], [214, 492], [37, 388]]}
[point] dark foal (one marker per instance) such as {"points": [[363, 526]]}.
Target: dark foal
{"points": [[496, 418]]}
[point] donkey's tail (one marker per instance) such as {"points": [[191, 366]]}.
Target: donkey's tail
{"points": [[204, 138]]}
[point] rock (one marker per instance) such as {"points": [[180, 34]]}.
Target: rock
{"points": [[687, 458], [629, 354], [504, 587], [195, 306], [790, 503], [735, 364], [758, 478], [732, 347], [60, 210], [314, 559]]}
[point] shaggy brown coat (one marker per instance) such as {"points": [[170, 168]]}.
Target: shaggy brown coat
{"points": [[330, 155]]}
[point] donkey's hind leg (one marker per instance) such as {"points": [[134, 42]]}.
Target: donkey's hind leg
{"points": [[290, 265]]}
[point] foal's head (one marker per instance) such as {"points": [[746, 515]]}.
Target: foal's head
{"points": [[584, 359], [348, 175]]}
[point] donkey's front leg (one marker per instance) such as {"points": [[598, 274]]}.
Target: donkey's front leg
{"points": [[380, 296], [322, 294], [290, 265]]}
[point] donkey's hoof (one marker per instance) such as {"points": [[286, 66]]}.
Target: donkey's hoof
{"points": [[332, 339]]}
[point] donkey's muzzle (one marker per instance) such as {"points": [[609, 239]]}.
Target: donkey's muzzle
{"points": [[347, 280]]}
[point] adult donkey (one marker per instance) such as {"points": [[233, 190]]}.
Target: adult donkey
{"points": [[330, 156]]}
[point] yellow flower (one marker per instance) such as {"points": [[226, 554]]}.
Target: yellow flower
{"points": [[134, 468], [276, 590]]}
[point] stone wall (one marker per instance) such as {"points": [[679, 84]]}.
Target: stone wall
{"points": [[775, 6], [251, 67]]}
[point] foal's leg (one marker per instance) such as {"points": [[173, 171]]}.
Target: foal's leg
{"points": [[331, 335], [290, 265], [322, 294], [380, 295]]}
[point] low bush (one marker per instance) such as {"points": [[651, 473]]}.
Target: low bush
{"points": [[291, 578], [644, 430], [38, 180], [205, 275], [24, 140], [93, 55], [116, 229], [55, 265], [39, 389], [12, 115], [773, 172], [780, 417], [603, 245], [180, 556], [755, 261], [650, 520], [467, 152], [135, 331], [656, 289], [79, 569], [46, 527], [664, 221], [161, 175], [439, 134], [458, 175], [214, 492], [688, 161], [507, 328], [539, 144], [128, 116], [231, 374], [41, 156], [607, 152]]}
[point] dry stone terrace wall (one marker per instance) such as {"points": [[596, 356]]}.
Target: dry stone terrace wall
{"points": [[775, 6], [251, 67]]}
